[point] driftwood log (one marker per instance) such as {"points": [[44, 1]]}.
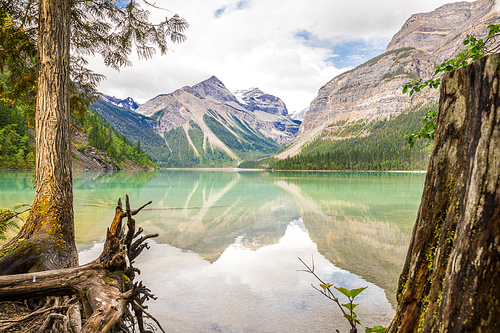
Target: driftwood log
{"points": [[109, 299]]}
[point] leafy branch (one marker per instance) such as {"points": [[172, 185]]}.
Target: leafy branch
{"points": [[346, 308], [7, 216], [475, 49]]}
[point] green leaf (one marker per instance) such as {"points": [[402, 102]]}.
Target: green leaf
{"points": [[375, 329], [326, 285], [350, 306], [356, 292], [344, 291]]}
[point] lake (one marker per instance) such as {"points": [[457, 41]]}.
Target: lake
{"points": [[226, 258]]}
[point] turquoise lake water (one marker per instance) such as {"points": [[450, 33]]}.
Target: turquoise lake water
{"points": [[226, 258]]}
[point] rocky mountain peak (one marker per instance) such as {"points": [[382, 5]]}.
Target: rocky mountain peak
{"points": [[127, 103], [429, 31], [214, 90], [255, 99], [299, 115], [372, 90]]}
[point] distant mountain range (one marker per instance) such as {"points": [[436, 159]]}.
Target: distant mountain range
{"points": [[127, 103], [204, 125]]}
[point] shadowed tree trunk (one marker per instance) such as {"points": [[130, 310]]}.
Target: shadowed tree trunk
{"points": [[46, 241], [451, 278]]}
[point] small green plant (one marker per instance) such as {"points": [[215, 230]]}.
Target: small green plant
{"points": [[376, 329], [7, 217], [11, 248], [346, 308], [474, 49]]}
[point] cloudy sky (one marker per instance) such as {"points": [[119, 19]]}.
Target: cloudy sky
{"points": [[288, 48]]}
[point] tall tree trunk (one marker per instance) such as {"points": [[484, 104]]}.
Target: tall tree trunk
{"points": [[46, 240], [451, 278]]}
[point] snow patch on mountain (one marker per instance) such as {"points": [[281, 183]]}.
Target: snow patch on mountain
{"points": [[127, 103], [298, 115], [255, 99]]}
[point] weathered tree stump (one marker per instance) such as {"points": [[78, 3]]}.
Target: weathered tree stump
{"points": [[104, 287], [451, 278]]}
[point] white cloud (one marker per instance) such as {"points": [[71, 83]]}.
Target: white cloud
{"points": [[248, 43]]}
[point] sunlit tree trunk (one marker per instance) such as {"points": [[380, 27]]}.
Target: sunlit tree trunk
{"points": [[46, 240], [451, 278]]}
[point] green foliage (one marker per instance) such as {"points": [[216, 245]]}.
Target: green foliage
{"points": [[102, 136], [250, 165], [16, 151], [109, 28], [225, 135], [347, 309], [349, 86], [135, 127], [376, 329], [474, 49], [383, 149], [427, 132], [7, 217], [240, 137], [183, 153], [11, 248]]}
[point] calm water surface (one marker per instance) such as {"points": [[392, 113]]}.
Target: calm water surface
{"points": [[226, 259]]}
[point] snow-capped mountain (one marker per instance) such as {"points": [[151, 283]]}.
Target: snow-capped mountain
{"points": [[255, 99], [298, 115], [127, 103]]}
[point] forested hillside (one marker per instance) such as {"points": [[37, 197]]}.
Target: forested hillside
{"points": [[94, 137], [376, 144], [102, 136], [227, 141], [16, 150], [136, 128]]}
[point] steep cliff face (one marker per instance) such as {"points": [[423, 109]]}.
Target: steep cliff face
{"points": [[373, 89]]}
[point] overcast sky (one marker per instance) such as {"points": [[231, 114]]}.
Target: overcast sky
{"points": [[288, 48]]}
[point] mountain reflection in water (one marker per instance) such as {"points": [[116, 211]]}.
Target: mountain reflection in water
{"points": [[226, 258]]}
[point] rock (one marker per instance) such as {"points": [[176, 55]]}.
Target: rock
{"points": [[374, 89]]}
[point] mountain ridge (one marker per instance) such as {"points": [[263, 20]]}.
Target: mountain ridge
{"points": [[206, 125], [127, 103], [373, 91]]}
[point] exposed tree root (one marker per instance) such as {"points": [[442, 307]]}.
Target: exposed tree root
{"points": [[103, 290]]}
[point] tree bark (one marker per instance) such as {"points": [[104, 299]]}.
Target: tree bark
{"points": [[451, 278], [47, 241]]}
